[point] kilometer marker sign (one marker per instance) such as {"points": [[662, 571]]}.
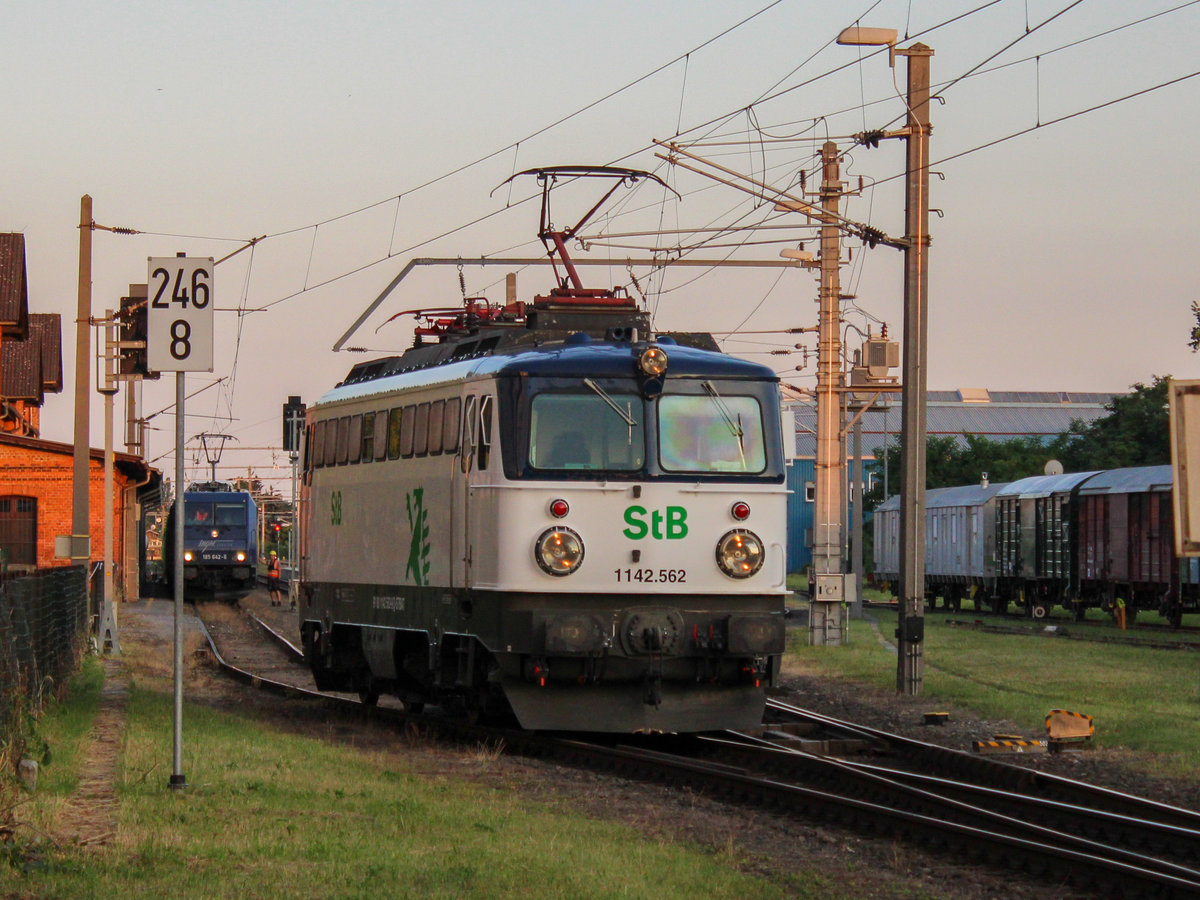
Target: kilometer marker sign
{"points": [[179, 314]]}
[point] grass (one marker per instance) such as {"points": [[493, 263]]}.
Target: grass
{"points": [[274, 812], [1140, 698]]}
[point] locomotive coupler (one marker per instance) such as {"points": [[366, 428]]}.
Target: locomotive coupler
{"points": [[652, 639]]}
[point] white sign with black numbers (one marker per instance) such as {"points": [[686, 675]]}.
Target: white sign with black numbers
{"points": [[179, 316]]}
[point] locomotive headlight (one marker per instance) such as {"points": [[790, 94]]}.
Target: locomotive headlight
{"points": [[216, 533], [653, 361], [187, 555], [241, 557], [559, 551], [740, 553]]}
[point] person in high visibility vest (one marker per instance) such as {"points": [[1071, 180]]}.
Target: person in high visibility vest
{"points": [[273, 580], [1121, 613]]}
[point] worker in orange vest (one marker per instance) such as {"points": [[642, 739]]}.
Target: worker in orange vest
{"points": [[273, 580]]}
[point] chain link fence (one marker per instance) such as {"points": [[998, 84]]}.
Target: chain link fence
{"points": [[43, 632]]}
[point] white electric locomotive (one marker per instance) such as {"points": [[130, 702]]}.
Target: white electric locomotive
{"points": [[550, 513]]}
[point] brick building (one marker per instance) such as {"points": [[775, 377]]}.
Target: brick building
{"points": [[37, 475], [36, 493]]}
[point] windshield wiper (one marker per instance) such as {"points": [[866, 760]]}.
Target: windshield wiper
{"points": [[626, 417], [735, 427]]}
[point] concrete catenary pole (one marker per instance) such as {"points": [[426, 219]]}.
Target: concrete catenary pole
{"points": [[80, 528], [911, 633], [826, 617]]}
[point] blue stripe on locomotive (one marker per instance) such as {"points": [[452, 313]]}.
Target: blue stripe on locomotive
{"points": [[576, 357]]}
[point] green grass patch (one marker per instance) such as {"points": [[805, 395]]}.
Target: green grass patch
{"points": [[1141, 698], [269, 812]]}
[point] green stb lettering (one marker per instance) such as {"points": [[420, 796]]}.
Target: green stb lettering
{"points": [[676, 523], [637, 528], [669, 524]]}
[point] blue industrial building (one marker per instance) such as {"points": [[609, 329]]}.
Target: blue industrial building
{"points": [[993, 414]]}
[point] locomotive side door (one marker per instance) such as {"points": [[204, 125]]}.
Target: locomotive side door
{"points": [[460, 494]]}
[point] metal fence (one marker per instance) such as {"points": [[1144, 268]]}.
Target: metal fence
{"points": [[43, 631]]}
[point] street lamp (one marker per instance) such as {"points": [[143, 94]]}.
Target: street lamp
{"points": [[911, 632], [857, 36]]}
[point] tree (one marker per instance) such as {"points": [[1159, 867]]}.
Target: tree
{"points": [[1136, 432], [953, 460], [1194, 343]]}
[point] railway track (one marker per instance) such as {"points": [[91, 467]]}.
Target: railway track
{"points": [[815, 767], [1139, 635]]}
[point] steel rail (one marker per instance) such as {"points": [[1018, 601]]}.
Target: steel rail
{"points": [[1085, 862], [1049, 822], [1008, 777]]}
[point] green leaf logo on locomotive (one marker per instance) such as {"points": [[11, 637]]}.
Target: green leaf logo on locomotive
{"points": [[418, 547]]}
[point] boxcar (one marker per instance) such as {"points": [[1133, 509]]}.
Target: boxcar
{"points": [[1126, 533], [959, 541], [1033, 543]]}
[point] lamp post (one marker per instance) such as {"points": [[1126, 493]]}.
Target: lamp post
{"points": [[911, 632]]}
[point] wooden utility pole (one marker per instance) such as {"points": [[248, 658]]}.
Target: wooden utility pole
{"points": [[911, 633]]}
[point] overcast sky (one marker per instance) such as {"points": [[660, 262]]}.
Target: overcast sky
{"points": [[1062, 259]]}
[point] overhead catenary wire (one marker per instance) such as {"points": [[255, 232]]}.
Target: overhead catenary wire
{"points": [[761, 143]]}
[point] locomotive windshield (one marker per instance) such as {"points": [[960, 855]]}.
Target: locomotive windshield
{"points": [[591, 428], [231, 514], [596, 431], [199, 513], [710, 434]]}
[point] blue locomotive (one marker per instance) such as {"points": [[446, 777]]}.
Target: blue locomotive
{"points": [[220, 543]]}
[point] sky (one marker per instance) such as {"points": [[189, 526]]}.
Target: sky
{"points": [[353, 137]]}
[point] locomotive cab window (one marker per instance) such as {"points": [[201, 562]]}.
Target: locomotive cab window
{"points": [[596, 431], [712, 432], [483, 452], [199, 514], [470, 433], [230, 514]]}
